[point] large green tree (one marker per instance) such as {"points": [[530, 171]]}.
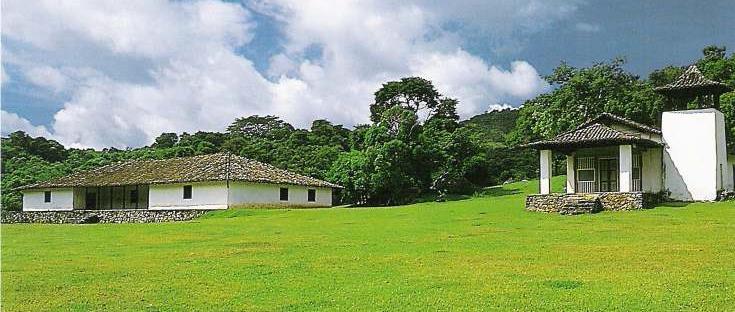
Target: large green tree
{"points": [[402, 157], [582, 93]]}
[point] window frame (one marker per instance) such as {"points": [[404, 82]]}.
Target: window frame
{"points": [[281, 193], [311, 195], [594, 175], [47, 196], [190, 190]]}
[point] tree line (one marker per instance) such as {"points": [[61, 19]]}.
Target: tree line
{"points": [[415, 145]]}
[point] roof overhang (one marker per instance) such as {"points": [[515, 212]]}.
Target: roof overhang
{"points": [[693, 90], [592, 135], [571, 146]]}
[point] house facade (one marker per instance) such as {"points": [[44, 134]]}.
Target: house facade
{"points": [[614, 163], [207, 182]]}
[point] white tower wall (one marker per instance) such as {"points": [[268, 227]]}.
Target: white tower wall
{"points": [[694, 154]]}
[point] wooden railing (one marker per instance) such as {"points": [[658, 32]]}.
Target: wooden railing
{"points": [[636, 187], [586, 187]]}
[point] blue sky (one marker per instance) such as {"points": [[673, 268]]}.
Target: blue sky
{"points": [[111, 73]]}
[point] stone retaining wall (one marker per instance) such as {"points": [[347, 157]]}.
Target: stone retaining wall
{"points": [[590, 203], [621, 201], [100, 216]]}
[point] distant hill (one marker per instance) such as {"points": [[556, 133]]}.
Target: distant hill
{"points": [[495, 125]]}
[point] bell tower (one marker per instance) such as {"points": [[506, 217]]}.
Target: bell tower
{"points": [[690, 86]]}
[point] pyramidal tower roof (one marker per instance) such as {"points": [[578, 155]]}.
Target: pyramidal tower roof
{"points": [[693, 81]]}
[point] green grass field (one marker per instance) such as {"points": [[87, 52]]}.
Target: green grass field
{"points": [[481, 253]]}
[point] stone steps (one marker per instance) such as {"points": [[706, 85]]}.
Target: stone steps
{"points": [[579, 204]]}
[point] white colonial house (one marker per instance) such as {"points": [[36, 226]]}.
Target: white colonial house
{"points": [[216, 181], [613, 163]]}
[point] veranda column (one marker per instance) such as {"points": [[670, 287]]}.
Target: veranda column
{"points": [[571, 186], [545, 171], [626, 168]]}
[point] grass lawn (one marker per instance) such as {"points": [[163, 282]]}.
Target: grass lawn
{"points": [[481, 253]]}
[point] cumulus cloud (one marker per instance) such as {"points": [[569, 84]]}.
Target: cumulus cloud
{"points": [[500, 107], [131, 70], [367, 44], [12, 122], [47, 77]]}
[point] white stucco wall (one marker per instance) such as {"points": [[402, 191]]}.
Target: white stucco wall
{"points": [[695, 146], [259, 194], [204, 196], [61, 199], [571, 175], [652, 170], [730, 181], [545, 170], [722, 171], [625, 170]]}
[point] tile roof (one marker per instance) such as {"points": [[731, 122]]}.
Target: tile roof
{"points": [[213, 167], [691, 79], [604, 118], [591, 135]]}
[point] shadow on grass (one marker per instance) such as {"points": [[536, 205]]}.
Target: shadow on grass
{"points": [[672, 205], [563, 284], [447, 198], [496, 191]]}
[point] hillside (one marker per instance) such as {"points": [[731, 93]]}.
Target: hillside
{"points": [[495, 125]]}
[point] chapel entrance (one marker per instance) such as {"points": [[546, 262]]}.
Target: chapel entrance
{"points": [[608, 174]]}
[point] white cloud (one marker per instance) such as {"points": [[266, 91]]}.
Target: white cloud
{"points": [[587, 27], [12, 122], [47, 77], [131, 70], [367, 43], [499, 107], [195, 81], [468, 78]]}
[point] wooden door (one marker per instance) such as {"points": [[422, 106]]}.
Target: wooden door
{"points": [[608, 174]]}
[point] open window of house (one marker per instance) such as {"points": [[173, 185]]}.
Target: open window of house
{"points": [[311, 195], [284, 194], [47, 196], [187, 191]]}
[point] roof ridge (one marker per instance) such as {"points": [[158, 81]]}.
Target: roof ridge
{"points": [[621, 119], [593, 134], [221, 166], [692, 77]]}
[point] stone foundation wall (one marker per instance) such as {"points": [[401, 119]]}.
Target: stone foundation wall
{"points": [[590, 203], [725, 195], [621, 201], [100, 216]]}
